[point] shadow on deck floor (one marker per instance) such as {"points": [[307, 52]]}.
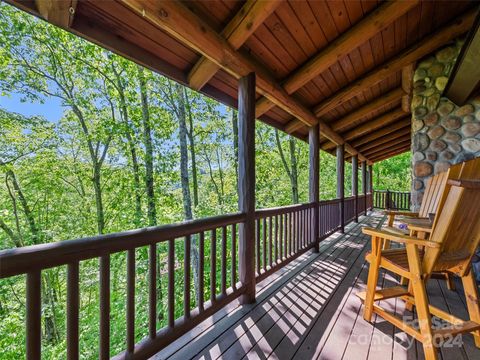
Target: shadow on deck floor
{"points": [[308, 310]]}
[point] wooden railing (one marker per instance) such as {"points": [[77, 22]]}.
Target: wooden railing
{"points": [[208, 271], [392, 200]]}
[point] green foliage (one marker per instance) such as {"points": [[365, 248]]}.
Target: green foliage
{"points": [[393, 174]]}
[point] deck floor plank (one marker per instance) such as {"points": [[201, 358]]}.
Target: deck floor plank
{"points": [[308, 310]]}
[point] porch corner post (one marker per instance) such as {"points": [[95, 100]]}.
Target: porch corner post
{"points": [[341, 184], [246, 185], [370, 184], [314, 180], [364, 184], [355, 184]]}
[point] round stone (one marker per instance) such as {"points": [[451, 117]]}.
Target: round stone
{"points": [[469, 118], [420, 111], [417, 100], [471, 129], [436, 70], [471, 145], [419, 74], [452, 122], [464, 157], [417, 125], [431, 119], [445, 108], [419, 90], [431, 155], [436, 132], [441, 166], [427, 62], [456, 148], [422, 169], [447, 155], [418, 156], [418, 83], [446, 54], [432, 102], [417, 184], [464, 110], [420, 142], [441, 82], [438, 145], [451, 137], [429, 92]]}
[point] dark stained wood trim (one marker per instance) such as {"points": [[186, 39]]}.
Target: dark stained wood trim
{"points": [[314, 179], [389, 139], [341, 184], [397, 126], [465, 75], [355, 184], [246, 185]]}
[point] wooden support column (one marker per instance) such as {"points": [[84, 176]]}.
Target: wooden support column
{"points": [[364, 184], [246, 184], [341, 183], [314, 181], [370, 181], [355, 184]]}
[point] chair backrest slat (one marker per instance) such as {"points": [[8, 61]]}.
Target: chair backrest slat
{"points": [[435, 186]]}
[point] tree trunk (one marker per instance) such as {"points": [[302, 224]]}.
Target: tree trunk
{"points": [[193, 156], [147, 138], [98, 198], [294, 170], [132, 149]]}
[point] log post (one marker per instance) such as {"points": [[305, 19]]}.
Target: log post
{"points": [[314, 182], [355, 184], [246, 185], [341, 184], [364, 184], [370, 182]]}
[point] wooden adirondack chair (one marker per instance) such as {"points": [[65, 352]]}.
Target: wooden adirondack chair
{"points": [[454, 239]]}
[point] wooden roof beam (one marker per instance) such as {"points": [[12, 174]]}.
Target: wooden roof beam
{"points": [[58, 12], [394, 145], [386, 139], [420, 49], [397, 126], [391, 154], [178, 21], [252, 14], [358, 34], [407, 86], [371, 126], [465, 76]]}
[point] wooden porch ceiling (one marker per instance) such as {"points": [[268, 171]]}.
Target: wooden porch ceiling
{"points": [[345, 65]]}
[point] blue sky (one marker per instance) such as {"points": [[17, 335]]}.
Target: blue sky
{"points": [[52, 109]]}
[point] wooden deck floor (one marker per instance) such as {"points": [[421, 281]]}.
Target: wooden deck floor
{"points": [[309, 310]]}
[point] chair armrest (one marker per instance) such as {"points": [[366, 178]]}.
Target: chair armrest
{"points": [[419, 227], [401, 213], [403, 239]]}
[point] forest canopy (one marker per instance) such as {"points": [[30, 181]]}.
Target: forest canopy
{"points": [[131, 149]]}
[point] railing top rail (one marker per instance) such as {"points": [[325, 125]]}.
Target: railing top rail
{"points": [[35, 257], [261, 213]]}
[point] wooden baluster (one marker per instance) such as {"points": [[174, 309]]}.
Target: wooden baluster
{"points": [[130, 301], [171, 283], [73, 304], [264, 249], [258, 245], [33, 305], [201, 271], [270, 242], [186, 276], [213, 266], [276, 239], [105, 307], [152, 300], [289, 237], [280, 238], [224, 260], [234, 256]]}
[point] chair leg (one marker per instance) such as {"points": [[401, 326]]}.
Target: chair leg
{"points": [[473, 304], [371, 288], [424, 318]]}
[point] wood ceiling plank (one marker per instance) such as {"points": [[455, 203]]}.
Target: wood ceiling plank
{"points": [[386, 139], [397, 126], [413, 53], [399, 143], [238, 30], [343, 45], [389, 155]]}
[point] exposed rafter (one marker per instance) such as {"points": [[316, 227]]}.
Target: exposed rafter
{"points": [[371, 126], [58, 12], [398, 144], [178, 21], [447, 33], [397, 126], [390, 154], [252, 14], [386, 139], [342, 46], [407, 86]]}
